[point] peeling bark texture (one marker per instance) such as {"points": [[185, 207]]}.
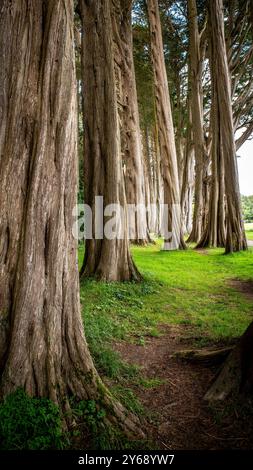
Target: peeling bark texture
{"points": [[131, 142], [43, 348], [187, 189], [165, 127], [150, 168], [236, 374], [195, 64], [224, 131], [159, 182], [214, 234], [105, 259]]}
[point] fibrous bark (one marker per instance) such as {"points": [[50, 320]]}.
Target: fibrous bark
{"points": [[195, 65], [223, 133], [188, 180], [214, 234], [131, 142], [166, 136], [43, 349], [106, 259], [236, 374]]}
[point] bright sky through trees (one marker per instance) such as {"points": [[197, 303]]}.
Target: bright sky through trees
{"points": [[245, 166]]}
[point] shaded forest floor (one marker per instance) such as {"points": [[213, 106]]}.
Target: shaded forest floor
{"points": [[176, 415], [187, 300]]}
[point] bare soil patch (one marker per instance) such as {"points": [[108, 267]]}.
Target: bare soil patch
{"points": [[178, 417]]}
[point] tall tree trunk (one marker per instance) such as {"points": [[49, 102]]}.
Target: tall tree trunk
{"points": [[106, 259], [43, 348], [165, 129], [214, 234], [159, 181], [195, 63], [224, 142], [150, 169], [188, 176], [130, 124]]}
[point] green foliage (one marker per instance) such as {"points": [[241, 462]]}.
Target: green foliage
{"points": [[88, 411], [247, 207], [29, 423], [102, 435]]}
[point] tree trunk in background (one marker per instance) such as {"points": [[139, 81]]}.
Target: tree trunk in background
{"points": [[214, 234], [106, 259], [251, 17], [131, 143], [159, 181], [188, 177], [150, 179], [187, 190], [224, 142], [179, 126], [195, 64], [165, 129], [43, 349]]}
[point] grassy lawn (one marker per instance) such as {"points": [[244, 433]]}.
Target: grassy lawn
{"points": [[249, 231], [186, 288]]}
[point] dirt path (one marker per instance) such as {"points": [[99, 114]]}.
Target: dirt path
{"points": [[179, 418]]}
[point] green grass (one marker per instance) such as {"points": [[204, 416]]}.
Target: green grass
{"points": [[184, 288]]}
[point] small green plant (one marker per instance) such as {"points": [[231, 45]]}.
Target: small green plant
{"points": [[151, 383], [29, 423], [92, 415]]}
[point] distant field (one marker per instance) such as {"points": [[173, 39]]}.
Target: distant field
{"points": [[249, 231]]}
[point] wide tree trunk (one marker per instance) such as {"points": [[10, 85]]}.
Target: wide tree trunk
{"points": [[43, 349], [105, 258], [165, 130], [214, 234], [195, 64], [223, 133], [131, 142]]}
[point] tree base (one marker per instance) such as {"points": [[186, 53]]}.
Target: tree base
{"points": [[236, 375]]}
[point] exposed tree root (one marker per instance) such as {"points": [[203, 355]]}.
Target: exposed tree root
{"points": [[204, 356]]}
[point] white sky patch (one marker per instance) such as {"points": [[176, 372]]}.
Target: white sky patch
{"points": [[245, 167]]}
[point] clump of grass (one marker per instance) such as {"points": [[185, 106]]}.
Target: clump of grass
{"points": [[151, 382], [127, 397]]}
